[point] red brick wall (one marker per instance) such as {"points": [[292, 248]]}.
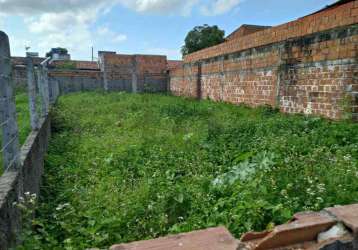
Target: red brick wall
{"points": [[245, 30], [18, 65], [173, 64], [302, 66], [151, 64], [76, 74], [77, 65], [119, 66], [150, 71], [345, 14]]}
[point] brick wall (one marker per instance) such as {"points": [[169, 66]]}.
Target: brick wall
{"points": [[148, 71], [18, 65], [75, 80], [304, 66], [117, 71], [244, 30], [173, 64], [76, 65]]}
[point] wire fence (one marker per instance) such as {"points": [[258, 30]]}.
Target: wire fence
{"points": [[10, 146], [40, 96]]}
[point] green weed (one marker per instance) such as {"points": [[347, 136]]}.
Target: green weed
{"points": [[124, 167]]}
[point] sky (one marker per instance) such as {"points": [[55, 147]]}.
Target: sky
{"points": [[133, 26]]}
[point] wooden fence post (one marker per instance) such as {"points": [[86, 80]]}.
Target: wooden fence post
{"points": [[10, 137]]}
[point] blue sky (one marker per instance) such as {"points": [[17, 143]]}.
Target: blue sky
{"points": [[133, 26]]}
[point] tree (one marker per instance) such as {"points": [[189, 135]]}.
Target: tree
{"points": [[60, 51], [202, 37]]}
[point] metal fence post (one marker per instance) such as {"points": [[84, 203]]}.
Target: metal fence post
{"points": [[10, 136], [32, 94]]}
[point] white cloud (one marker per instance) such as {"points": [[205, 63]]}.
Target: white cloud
{"points": [[72, 23], [76, 39], [65, 23], [182, 7], [30, 7], [119, 38], [219, 7], [110, 35]]}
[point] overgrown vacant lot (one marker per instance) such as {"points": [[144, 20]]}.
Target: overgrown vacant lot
{"points": [[125, 167]]}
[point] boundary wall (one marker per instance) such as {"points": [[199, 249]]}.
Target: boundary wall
{"points": [[304, 66]]}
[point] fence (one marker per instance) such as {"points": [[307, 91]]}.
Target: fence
{"points": [[10, 137], [39, 103]]}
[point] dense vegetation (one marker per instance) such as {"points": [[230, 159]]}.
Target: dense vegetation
{"points": [[201, 37], [23, 116], [125, 167], [23, 120]]}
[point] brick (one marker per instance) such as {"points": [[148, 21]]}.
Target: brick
{"points": [[209, 239], [347, 214]]}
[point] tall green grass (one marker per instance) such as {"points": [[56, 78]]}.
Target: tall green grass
{"points": [[124, 167]]}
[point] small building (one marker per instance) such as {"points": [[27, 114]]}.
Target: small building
{"points": [[58, 54], [32, 54]]}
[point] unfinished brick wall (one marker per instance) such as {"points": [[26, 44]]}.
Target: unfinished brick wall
{"points": [[246, 29], [149, 72], [18, 65], [75, 80], [305, 66], [75, 65]]}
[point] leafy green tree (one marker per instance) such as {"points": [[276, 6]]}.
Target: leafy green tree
{"points": [[202, 37]]}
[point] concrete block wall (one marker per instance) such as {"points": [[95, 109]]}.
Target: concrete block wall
{"points": [[70, 81], [14, 184], [114, 72], [304, 66]]}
